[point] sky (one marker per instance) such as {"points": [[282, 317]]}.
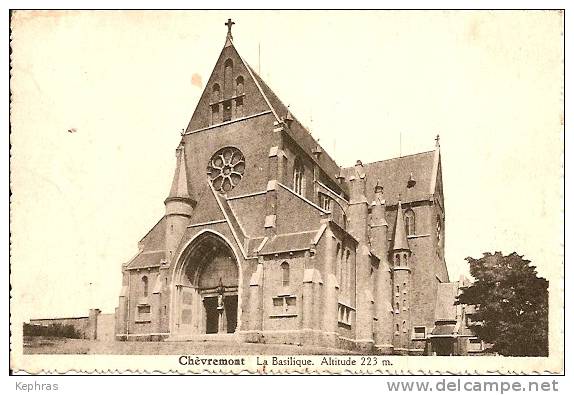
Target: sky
{"points": [[369, 85]]}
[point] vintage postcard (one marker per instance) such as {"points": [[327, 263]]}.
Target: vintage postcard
{"points": [[287, 191]]}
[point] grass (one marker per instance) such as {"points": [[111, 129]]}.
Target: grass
{"points": [[44, 345]]}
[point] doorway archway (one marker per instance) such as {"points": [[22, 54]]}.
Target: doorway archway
{"points": [[206, 288]]}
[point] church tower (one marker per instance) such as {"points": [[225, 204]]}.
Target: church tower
{"points": [[401, 284], [178, 205], [358, 215]]}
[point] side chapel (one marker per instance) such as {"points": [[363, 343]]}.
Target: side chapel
{"points": [[266, 239]]}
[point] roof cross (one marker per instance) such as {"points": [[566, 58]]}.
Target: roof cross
{"points": [[229, 25], [437, 139]]}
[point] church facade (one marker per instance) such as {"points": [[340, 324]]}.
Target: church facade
{"points": [[266, 239]]}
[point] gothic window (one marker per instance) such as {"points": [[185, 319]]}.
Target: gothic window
{"points": [[339, 265], [324, 201], [239, 107], [228, 78], [215, 94], [225, 169], [285, 274], [299, 177], [404, 304], [348, 271], [397, 329], [410, 222], [398, 290], [404, 326], [239, 86], [215, 114], [145, 285], [227, 110], [397, 308]]}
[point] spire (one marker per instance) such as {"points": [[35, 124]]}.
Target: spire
{"points": [[179, 187], [378, 208], [229, 38], [400, 238]]}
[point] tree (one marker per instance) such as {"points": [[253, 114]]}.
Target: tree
{"points": [[511, 303]]}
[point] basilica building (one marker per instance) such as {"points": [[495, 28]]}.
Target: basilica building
{"points": [[265, 239]]}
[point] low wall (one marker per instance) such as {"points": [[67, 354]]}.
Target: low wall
{"points": [[80, 324], [95, 326]]}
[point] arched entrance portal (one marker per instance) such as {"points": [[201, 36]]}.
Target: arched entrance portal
{"points": [[206, 288]]}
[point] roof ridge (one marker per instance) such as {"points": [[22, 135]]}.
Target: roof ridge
{"points": [[395, 158]]}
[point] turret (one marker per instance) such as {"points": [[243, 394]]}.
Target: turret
{"points": [[401, 284], [379, 226], [178, 205], [383, 331], [358, 215]]}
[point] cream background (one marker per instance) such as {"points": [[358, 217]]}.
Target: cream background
{"points": [[489, 82]]}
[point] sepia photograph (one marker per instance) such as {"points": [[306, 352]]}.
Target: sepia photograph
{"points": [[287, 191]]}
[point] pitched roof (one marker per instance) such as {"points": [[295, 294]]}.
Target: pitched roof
{"points": [[445, 309], [400, 234], [299, 133], [146, 259], [394, 174], [289, 242]]}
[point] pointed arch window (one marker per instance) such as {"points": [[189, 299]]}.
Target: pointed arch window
{"points": [[145, 286], [339, 265], [228, 78], [215, 97], [239, 86], [410, 222], [285, 274], [348, 271], [215, 93], [299, 177]]}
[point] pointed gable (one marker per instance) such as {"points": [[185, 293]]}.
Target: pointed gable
{"points": [[235, 91], [230, 84]]}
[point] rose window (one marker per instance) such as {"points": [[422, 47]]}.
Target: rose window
{"points": [[226, 168]]}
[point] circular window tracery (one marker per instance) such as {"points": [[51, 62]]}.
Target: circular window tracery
{"points": [[226, 168]]}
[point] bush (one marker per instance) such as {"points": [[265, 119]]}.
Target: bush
{"points": [[52, 330]]}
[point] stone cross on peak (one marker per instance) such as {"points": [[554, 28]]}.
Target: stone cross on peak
{"points": [[229, 25]]}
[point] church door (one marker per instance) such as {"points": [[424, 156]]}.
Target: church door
{"points": [[207, 289], [211, 314], [231, 309]]}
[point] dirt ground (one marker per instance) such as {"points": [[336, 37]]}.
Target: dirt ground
{"points": [[43, 345]]}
